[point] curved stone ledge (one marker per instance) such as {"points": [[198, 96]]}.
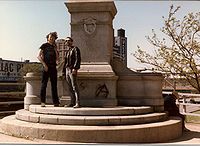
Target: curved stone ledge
{"points": [[90, 111], [32, 76], [142, 133], [25, 115]]}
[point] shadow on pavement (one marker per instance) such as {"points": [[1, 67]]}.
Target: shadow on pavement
{"points": [[188, 135]]}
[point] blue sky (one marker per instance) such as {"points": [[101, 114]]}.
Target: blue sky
{"points": [[24, 24]]}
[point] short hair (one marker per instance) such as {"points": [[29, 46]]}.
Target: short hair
{"points": [[69, 38], [54, 34]]}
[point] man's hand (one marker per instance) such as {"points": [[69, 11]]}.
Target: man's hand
{"points": [[41, 59], [62, 77], [45, 67], [74, 71]]}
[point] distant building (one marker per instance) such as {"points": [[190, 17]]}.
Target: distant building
{"points": [[61, 48], [120, 46], [10, 70]]}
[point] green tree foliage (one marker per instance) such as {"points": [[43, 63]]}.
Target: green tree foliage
{"points": [[178, 52]]}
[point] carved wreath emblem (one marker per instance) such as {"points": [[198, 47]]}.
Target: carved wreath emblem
{"points": [[89, 25]]}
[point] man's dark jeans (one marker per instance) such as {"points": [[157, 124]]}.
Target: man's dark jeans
{"points": [[52, 74]]}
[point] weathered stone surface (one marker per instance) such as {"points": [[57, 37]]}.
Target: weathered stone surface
{"points": [[142, 88], [91, 24], [141, 133], [77, 119], [90, 111]]}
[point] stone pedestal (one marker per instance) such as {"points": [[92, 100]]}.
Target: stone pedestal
{"points": [[92, 31], [137, 89], [92, 28], [33, 82], [97, 85], [33, 85]]}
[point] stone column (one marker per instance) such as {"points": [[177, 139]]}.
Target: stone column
{"points": [[92, 28], [92, 31], [33, 85], [33, 82]]}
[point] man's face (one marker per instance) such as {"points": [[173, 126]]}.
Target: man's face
{"points": [[51, 38], [69, 42]]}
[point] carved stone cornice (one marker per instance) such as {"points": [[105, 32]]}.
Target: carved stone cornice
{"points": [[91, 6]]}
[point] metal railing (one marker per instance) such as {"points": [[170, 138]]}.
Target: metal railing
{"points": [[182, 100], [186, 107]]}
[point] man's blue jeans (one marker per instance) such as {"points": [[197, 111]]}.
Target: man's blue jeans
{"points": [[73, 86]]}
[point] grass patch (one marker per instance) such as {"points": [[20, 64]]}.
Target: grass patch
{"points": [[193, 118]]}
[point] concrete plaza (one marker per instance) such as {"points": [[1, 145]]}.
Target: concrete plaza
{"points": [[190, 136]]}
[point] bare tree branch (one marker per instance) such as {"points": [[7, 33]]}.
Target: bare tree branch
{"points": [[179, 52]]}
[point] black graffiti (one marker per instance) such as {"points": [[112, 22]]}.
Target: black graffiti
{"points": [[102, 91]]}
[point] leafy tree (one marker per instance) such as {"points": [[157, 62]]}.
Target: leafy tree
{"points": [[178, 52]]}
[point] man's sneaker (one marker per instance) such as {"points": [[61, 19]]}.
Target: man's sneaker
{"points": [[69, 105], [76, 106], [42, 104]]}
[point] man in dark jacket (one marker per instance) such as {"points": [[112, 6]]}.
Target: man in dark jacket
{"points": [[71, 67]]}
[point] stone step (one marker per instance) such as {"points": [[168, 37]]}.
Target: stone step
{"points": [[90, 111], [142, 133], [25, 115]]}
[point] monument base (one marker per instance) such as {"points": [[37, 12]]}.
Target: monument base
{"points": [[138, 89], [97, 85], [93, 125]]}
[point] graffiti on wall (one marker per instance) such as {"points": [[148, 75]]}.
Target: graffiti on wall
{"points": [[102, 91]]}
